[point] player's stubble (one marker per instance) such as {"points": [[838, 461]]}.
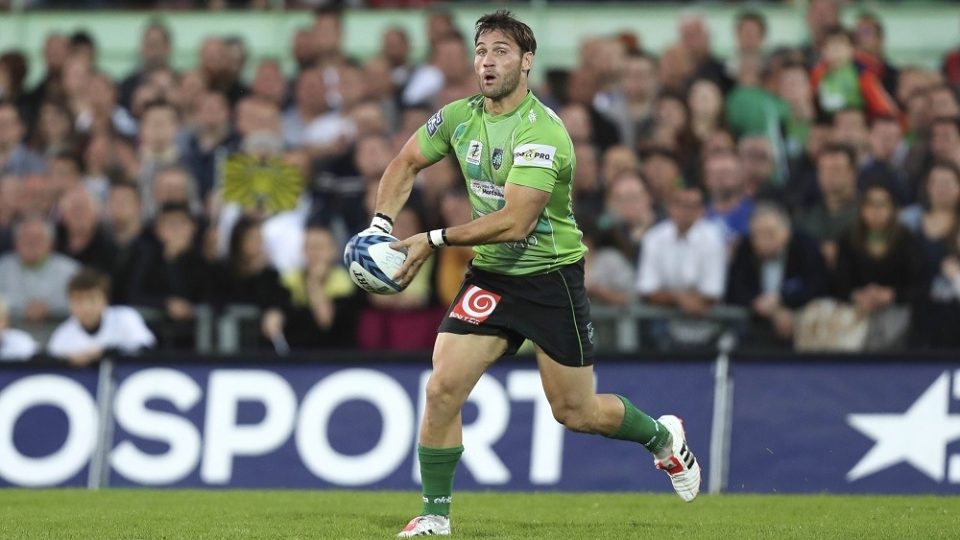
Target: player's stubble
{"points": [[508, 83]]}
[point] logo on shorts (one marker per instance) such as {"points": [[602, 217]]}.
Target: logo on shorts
{"points": [[475, 305], [497, 158]]}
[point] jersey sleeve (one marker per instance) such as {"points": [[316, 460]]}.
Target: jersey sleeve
{"points": [[539, 154], [435, 137]]}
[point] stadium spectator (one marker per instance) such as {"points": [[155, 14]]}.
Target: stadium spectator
{"points": [[39, 195], [822, 15], [581, 87], [325, 304], [171, 274], [15, 157], [56, 49], [13, 74], [106, 157], [156, 44], [850, 128], [11, 203], [218, 70], [628, 216], [750, 32], [774, 274], [661, 169], [945, 139], [869, 37], [617, 160], [395, 49], [695, 38], [54, 132], [841, 82], [81, 235], [943, 101], [676, 69], [730, 206], [683, 265], [631, 105], [793, 87], [246, 278], [95, 327], [15, 345], [33, 278], [328, 36], [310, 121], [587, 190], [206, 147], [884, 162], [124, 220], [705, 102], [751, 108], [268, 82], [759, 161], [878, 269], [158, 148], [935, 224], [837, 211]]}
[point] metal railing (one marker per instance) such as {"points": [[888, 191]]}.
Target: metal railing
{"points": [[622, 326]]}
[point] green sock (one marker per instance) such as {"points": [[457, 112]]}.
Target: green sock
{"points": [[437, 466], [638, 427]]}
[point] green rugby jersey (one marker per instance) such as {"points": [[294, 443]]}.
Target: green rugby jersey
{"points": [[529, 147]]}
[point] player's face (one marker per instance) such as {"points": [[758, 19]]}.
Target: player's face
{"points": [[498, 64]]}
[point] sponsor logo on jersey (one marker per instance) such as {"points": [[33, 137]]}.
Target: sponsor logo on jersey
{"points": [[433, 124], [487, 190], [474, 151], [497, 158], [534, 155], [475, 306]]}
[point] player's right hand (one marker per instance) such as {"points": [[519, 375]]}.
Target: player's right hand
{"points": [[418, 250]]}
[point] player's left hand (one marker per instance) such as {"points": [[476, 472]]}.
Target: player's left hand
{"points": [[418, 250]]}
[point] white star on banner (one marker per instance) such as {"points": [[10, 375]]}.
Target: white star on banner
{"points": [[919, 436]]}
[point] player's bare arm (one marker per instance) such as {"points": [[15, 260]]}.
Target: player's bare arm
{"points": [[517, 219], [397, 181]]}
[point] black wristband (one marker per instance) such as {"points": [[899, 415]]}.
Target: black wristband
{"points": [[385, 217]]}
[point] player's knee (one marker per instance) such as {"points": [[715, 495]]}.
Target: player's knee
{"points": [[573, 418], [442, 391]]}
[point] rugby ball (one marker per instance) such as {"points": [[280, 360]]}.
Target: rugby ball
{"points": [[372, 263]]}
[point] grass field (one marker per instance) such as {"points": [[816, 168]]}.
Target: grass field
{"points": [[67, 514]]}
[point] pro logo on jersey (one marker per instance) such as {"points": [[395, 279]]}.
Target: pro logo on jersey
{"points": [[534, 155], [433, 124], [474, 151], [497, 158], [475, 306]]}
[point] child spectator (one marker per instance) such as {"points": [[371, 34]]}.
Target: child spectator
{"points": [[94, 327]]}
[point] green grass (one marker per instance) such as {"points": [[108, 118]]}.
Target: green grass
{"points": [[67, 514]]}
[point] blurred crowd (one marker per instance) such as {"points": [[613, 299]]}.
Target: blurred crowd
{"points": [[818, 186]]}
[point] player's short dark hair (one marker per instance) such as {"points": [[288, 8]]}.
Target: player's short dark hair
{"points": [[754, 17], [838, 148], [88, 280], [505, 22]]}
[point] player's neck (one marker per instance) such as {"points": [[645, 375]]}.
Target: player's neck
{"points": [[508, 103]]}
